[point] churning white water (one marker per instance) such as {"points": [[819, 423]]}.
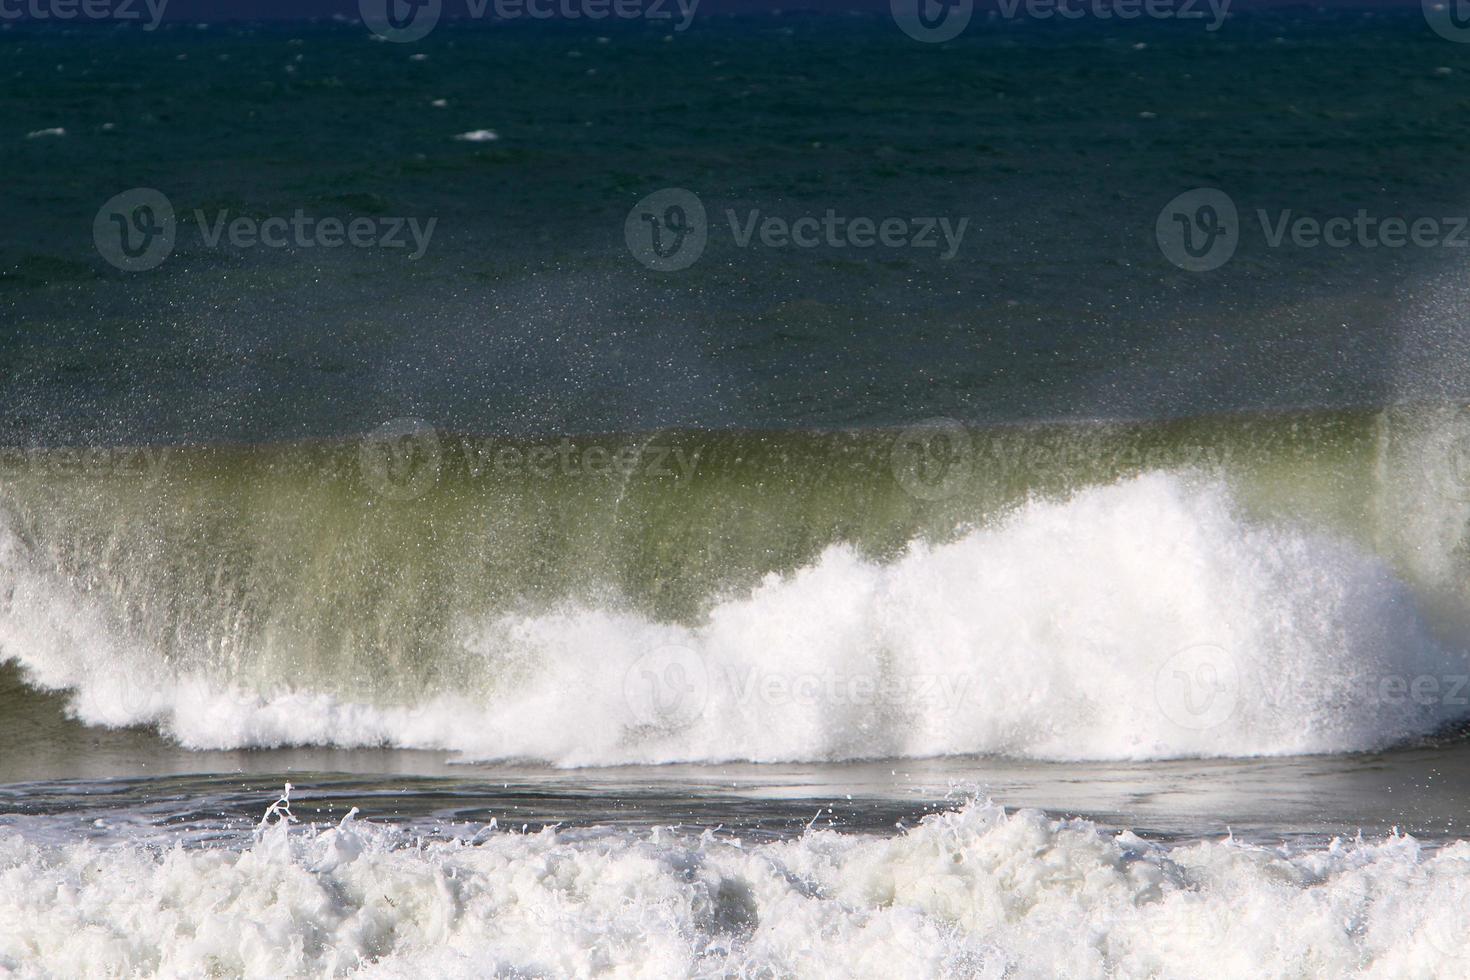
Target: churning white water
{"points": [[973, 893], [1145, 619]]}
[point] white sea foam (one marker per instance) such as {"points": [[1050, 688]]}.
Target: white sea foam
{"points": [[1145, 619], [479, 136], [975, 893]]}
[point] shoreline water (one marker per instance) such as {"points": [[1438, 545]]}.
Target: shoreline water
{"points": [[974, 891]]}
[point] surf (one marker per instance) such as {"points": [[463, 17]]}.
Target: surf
{"points": [[1227, 587], [974, 892]]}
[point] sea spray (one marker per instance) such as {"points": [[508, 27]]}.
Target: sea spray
{"points": [[1147, 618], [974, 892]]}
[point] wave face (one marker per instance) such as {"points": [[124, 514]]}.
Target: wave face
{"points": [[1230, 588], [974, 893]]}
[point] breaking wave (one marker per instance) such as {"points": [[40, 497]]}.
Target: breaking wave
{"points": [[1255, 606]]}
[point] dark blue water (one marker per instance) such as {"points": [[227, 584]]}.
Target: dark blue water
{"points": [[527, 312]]}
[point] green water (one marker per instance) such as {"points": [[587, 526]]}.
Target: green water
{"points": [[325, 564]]}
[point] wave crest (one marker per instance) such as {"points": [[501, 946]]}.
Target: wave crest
{"points": [[1144, 619]]}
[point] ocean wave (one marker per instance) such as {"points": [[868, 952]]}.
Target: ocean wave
{"points": [[975, 892], [1147, 618]]}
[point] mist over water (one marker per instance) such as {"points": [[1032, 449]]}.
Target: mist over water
{"points": [[527, 315], [1026, 591]]}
